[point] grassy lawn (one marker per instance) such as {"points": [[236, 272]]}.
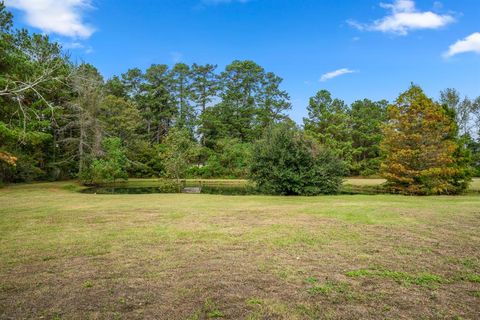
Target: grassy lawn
{"points": [[474, 185], [364, 181], [67, 255]]}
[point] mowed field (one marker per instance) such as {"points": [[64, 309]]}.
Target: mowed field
{"points": [[67, 255]]}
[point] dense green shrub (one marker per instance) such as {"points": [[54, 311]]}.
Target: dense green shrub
{"points": [[229, 159], [111, 167], [286, 162], [27, 169], [474, 149], [180, 152], [145, 160]]}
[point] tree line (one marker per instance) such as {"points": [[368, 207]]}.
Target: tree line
{"points": [[61, 120]]}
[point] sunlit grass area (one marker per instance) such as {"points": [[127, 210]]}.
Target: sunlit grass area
{"points": [[364, 181], [475, 185], [182, 256]]}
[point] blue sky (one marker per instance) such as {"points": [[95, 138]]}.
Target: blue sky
{"points": [[356, 49]]}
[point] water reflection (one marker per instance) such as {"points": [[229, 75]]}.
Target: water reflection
{"points": [[205, 189]]}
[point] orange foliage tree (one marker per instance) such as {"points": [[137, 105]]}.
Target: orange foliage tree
{"points": [[422, 155], [8, 158]]}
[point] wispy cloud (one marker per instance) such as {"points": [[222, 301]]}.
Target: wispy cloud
{"points": [[403, 18], [333, 74], [75, 45], [63, 17], [176, 56], [468, 44]]}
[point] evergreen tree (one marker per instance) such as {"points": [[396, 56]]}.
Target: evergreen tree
{"points": [[120, 118], [181, 91], [463, 109], [116, 87], [273, 102], [204, 85], [250, 99], [422, 154], [33, 77], [366, 118], [240, 82], [157, 102], [328, 123]]}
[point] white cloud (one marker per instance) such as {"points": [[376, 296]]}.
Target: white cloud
{"points": [[63, 17], [336, 73], [75, 45], [400, 6], [469, 44], [403, 18]]}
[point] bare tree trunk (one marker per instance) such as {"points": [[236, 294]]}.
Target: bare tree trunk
{"points": [[159, 128], [204, 99], [80, 145], [97, 139]]}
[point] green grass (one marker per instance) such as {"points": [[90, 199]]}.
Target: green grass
{"points": [[476, 293], [254, 301], [329, 287], [372, 185], [199, 256], [364, 181], [405, 278], [475, 185], [472, 277]]}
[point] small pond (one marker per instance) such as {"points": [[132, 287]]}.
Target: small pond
{"points": [[225, 187], [189, 187]]}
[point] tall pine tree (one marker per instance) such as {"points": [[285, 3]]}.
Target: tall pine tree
{"points": [[328, 122]]}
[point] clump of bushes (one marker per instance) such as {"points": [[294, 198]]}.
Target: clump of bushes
{"points": [[286, 162], [111, 167], [229, 159]]}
